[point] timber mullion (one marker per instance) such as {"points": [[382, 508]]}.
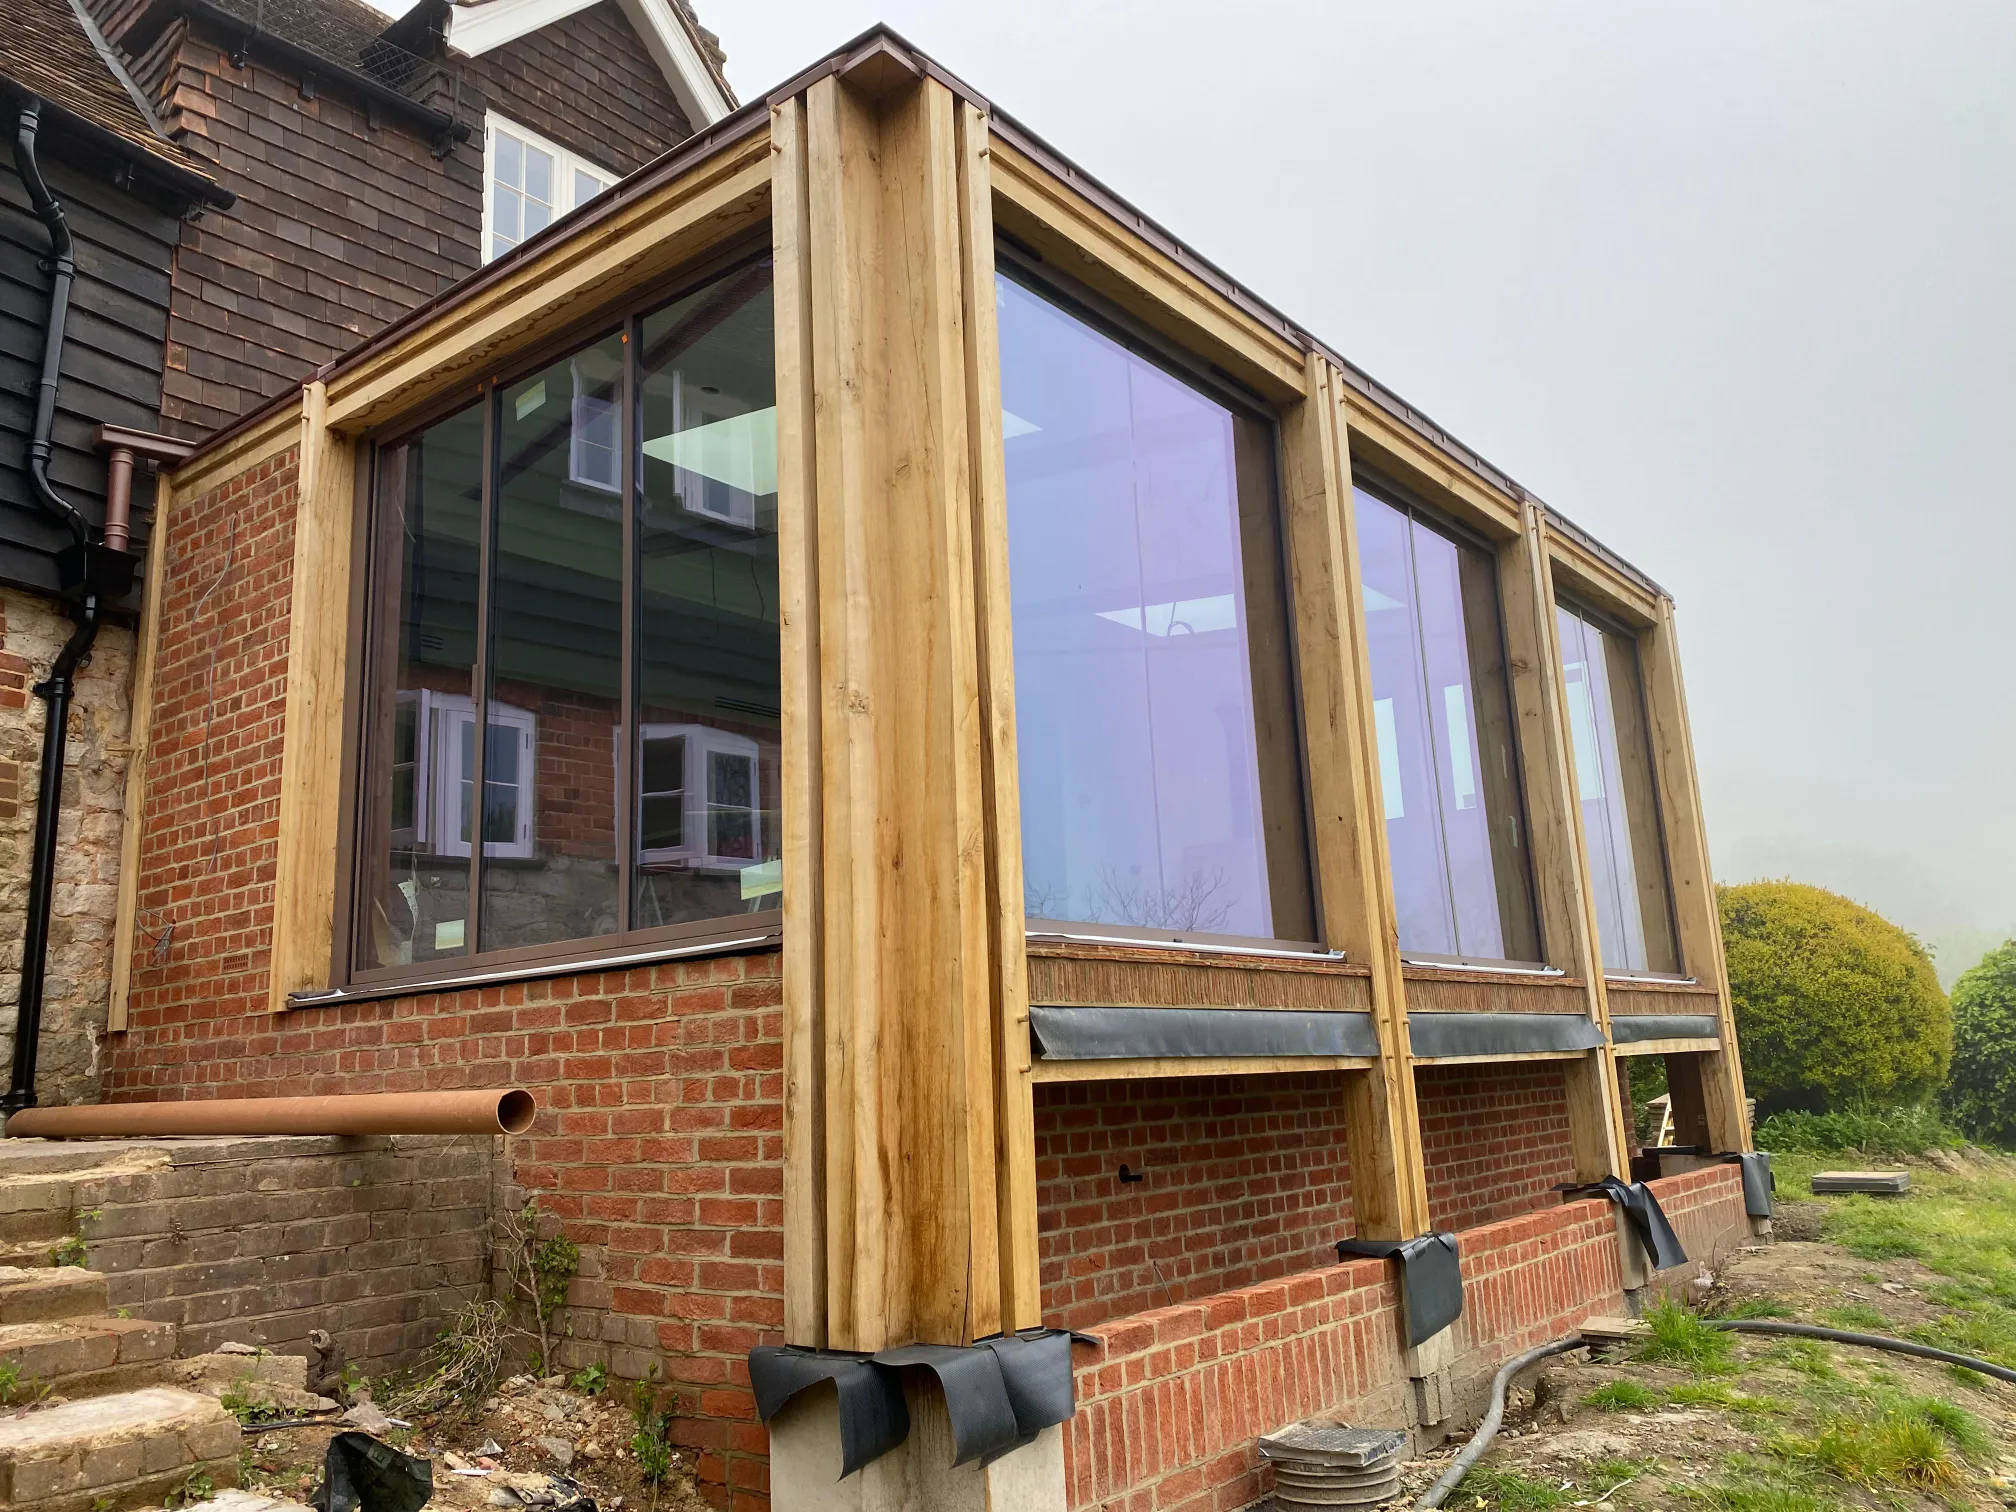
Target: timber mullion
{"points": [[1723, 1102], [1348, 832]]}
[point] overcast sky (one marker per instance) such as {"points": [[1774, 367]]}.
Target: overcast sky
{"points": [[1733, 285]]}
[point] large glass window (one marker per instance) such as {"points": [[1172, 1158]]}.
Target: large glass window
{"points": [[584, 568], [1160, 783], [1615, 782], [1442, 719]]}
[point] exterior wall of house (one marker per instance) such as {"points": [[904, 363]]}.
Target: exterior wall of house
{"points": [[342, 226], [1495, 1138], [1246, 1178], [32, 629]]}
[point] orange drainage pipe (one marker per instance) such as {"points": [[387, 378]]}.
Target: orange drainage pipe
{"points": [[492, 1112]]}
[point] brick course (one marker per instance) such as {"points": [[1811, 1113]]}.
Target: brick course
{"points": [[1495, 1139], [1246, 1178]]}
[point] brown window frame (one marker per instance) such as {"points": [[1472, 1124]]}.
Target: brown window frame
{"points": [[351, 976], [1023, 266], [1611, 624], [1468, 537]]}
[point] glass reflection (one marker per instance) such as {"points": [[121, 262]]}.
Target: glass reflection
{"points": [[1443, 727], [708, 835], [1614, 781], [1159, 781], [414, 896], [555, 666]]}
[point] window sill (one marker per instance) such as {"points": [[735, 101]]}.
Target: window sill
{"points": [[530, 971]]}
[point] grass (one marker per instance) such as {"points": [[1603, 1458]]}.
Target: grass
{"points": [[1508, 1491], [1856, 1317], [1678, 1337], [1623, 1396], [1754, 1307], [1859, 1131], [1717, 1394]]}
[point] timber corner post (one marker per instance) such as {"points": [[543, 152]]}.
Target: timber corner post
{"points": [[909, 1182]]}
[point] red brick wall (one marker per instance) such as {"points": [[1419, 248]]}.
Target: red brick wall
{"points": [[1495, 1139], [1170, 1401], [658, 1142], [1247, 1178]]}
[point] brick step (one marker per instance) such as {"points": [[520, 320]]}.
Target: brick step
{"points": [[56, 1157], [78, 1357], [35, 1208], [108, 1453], [33, 1255], [36, 1296]]}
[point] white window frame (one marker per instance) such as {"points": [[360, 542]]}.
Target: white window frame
{"points": [[565, 165], [587, 411], [438, 733], [702, 741]]}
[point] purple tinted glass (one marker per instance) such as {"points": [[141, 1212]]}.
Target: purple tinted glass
{"points": [[1150, 794], [1441, 722]]}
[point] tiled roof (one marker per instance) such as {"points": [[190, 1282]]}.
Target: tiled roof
{"points": [[52, 51]]}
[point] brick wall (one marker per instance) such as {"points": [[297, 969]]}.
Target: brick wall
{"points": [[1247, 1178], [658, 1142], [1171, 1401], [32, 630], [260, 1240], [1495, 1139]]}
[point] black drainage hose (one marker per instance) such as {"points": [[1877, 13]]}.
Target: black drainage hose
{"points": [[1488, 1429], [1866, 1341]]}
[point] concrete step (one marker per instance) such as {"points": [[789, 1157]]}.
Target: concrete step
{"points": [[35, 1208], [37, 1296], [56, 1157], [104, 1454], [79, 1357]]}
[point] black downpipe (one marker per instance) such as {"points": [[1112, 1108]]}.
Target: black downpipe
{"points": [[56, 689]]}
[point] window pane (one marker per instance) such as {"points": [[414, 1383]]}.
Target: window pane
{"points": [[506, 218], [1160, 784], [1620, 807], [586, 187], [538, 176], [414, 891], [510, 166], [549, 868], [708, 671], [1443, 724]]}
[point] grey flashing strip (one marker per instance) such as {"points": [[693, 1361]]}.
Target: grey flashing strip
{"points": [[1495, 968], [1636, 1028], [1439, 1034], [1200, 946], [1199, 1033], [365, 992]]}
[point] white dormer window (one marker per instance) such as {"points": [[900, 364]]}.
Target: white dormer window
{"points": [[697, 799], [528, 183]]}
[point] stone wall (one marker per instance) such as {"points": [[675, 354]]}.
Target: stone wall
{"points": [[32, 630]]}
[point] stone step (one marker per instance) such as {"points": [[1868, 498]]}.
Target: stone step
{"points": [[108, 1453], [77, 1357], [56, 1157], [33, 1208], [32, 1255], [36, 1296]]}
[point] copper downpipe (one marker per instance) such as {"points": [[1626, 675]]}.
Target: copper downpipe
{"points": [[492, 1112]]}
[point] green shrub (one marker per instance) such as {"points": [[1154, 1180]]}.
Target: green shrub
{"points": [[1835, 1006], [1864, 1131], [1982, 1092]]}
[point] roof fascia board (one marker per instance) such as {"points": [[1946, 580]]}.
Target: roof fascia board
{"points": [[474, 30]]}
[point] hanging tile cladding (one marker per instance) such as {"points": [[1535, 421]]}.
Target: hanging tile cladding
{"points": [[1246, 1178], [658, 1142], [1495, 1138], [342, 226]]}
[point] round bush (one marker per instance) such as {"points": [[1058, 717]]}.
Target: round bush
{"points": [[1835, 1006], [1982, 1093]]}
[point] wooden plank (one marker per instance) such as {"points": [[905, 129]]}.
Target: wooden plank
{"points": [[1410, 459], [125, 921], [1576, 1056], [1139, 1068], [1667, 1047], [1347, 827], [1084, 241], [268, 437], [720, 199], [311, 760], [798, 592], [1587, 576], [1151, 982], [1596, 1114], [1696, 914], [912, 1242], [1015, 1113]]}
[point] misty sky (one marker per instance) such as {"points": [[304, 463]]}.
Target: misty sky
{"points": [[1732, 285]]}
